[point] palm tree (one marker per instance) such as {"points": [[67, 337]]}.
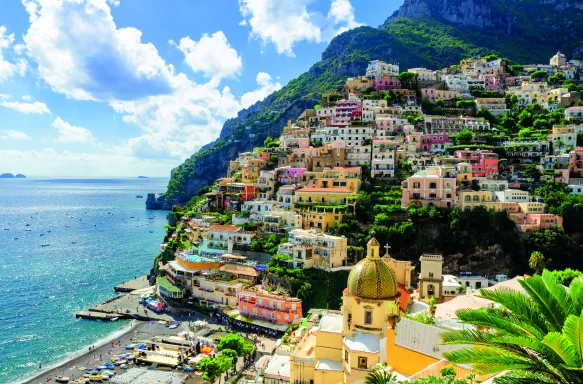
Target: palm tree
{"points": [[379, 376], [535, 337], [537, 261]]}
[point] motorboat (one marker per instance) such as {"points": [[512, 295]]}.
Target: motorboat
{"points": [[173, 326], [28, 230], [115, 319], [139, 197], [42, 234], [45, 245], [6, 229], [16, 238], [62, 379]]}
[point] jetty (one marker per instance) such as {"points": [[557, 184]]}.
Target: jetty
{"points": [[133, 285]]}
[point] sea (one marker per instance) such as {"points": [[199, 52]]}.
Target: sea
{"points": [[97, 234]]}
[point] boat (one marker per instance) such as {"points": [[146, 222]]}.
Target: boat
{"points": [[162, 322], [173, 326], [42, 234], [45, 245], [139, 197], [28, 230], [73, 242], [6, 229], [62, 379], [16, 238], [151, 231], [49, 230], [123, 366], [129, 346], [109, 366], [131, 217], [115, 319]]}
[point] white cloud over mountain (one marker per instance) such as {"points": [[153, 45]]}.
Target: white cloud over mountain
{"points": [[211, 55], [285, 23]]}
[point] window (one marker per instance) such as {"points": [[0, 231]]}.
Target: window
{"points": [[431, 275], [362, 362], [416, 185], [368, 317], [346, 356], [432, 185]]}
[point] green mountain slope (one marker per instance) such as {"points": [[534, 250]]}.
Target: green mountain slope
{"points": [[429, 36]]}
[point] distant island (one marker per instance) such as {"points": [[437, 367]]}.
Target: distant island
{"points": [[11, 176], [142, 177]]}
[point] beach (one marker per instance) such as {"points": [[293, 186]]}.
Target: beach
{"points": [[102, 353]]}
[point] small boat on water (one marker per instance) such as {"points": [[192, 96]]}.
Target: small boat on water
{"points": [[45, 245], [131, 217], [16, 238], [49, 230], [73, 242], [27, 230], [115, 319], [42, 234], [139, 197], [6, 229]]}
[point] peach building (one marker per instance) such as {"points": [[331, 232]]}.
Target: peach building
{"points": [[576, 161], [435, 185], [258, 303]]}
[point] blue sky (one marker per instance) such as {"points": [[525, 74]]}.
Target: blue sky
{"points": [[128, 87]]}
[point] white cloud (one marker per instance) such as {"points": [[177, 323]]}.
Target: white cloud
{"points": [[4, 96], [82, 54], [7, 68], [267, 86], [284, 23], [26, 98], [341, 12], [71, 134], [49, 162], [211, 55], [10, 134], [36, 107], [113, 3]]}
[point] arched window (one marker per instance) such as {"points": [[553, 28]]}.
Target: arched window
{"points": [[430, 290]]}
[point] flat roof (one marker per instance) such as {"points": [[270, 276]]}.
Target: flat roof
{"points": [[328, 365], [331, 323], [363, 343], [279, 366]]}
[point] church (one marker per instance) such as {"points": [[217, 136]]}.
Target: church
{"points": [[345, 346]]}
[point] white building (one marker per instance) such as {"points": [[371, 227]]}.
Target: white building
{"points": [[383, 158], [575, 189], [357, 155], [462, 83], [368, 110], [376, 69], [424, 74], [281, 222], [512, 196], [491, 185], [473, 281], [309, 248]]}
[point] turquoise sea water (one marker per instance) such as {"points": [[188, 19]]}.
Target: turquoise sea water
{"points": [[94, 244]]}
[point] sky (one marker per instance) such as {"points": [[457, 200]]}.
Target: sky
{"points": [[105, 88]]}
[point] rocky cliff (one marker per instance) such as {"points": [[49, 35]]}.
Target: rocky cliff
{"points": [[431, 33]]}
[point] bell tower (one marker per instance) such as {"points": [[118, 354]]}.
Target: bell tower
{"points": [[431, 277]]}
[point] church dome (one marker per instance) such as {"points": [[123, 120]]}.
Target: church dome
{"points": [[372, 278]]}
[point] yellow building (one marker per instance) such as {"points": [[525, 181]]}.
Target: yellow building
{"points": [[343, 348], [250, 171], [323, 196], [322, 218]]}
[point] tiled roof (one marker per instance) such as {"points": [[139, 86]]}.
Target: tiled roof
{"points": [[225, 228], [239, 270], [347, 168], [404, 298], [325, 190]]}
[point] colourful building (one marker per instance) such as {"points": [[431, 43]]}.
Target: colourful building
{"points": [[484, 162], [323, 196], [433, 143], [386, 82], [309, 248], [288, 175], [435, 185], [276, 307]]}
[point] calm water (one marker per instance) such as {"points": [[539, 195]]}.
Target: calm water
{"points": [[41, 288]]}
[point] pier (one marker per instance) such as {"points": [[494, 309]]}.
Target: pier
{"points": [[133, 285]]}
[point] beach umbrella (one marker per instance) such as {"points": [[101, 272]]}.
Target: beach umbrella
{"points": [[141, 346]]}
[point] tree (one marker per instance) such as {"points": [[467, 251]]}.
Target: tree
{"points": [[566, 276], [557, 78], [408, 80], [537, 261], [232, 341], [463, 137], [465, 104], [538, 74], [379, 376], [535, 337], [516, 70], [531, 171], [213, 368], [491, 57]]}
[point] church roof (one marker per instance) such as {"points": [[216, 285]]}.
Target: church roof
{"points": [[373, 278]]}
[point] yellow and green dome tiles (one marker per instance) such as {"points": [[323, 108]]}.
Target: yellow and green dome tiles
{"points": [[372, 278]]}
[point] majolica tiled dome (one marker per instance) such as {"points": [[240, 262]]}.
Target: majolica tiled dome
{"points": [[372, 278]]}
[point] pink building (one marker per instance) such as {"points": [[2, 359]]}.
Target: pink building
{"points": [[257, 303], [347, 111], [531, 221], [288, 175], [431, 142], [434, 186], [492, 82], [263, 156], [576, 161], [484, 162], [386, 83], [307, 152]]}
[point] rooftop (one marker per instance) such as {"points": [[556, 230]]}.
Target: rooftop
{"points": [[325, 190], [328, 365], [363, 343], [331, 323], [225, 228], [278, 366], [239, 270]]}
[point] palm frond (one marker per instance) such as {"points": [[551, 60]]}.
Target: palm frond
{"points": [[520, 305], [525, 377], [573, 332], [488, 360], [563, 348], [545, 302], [576, 293], [495, 319]]}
